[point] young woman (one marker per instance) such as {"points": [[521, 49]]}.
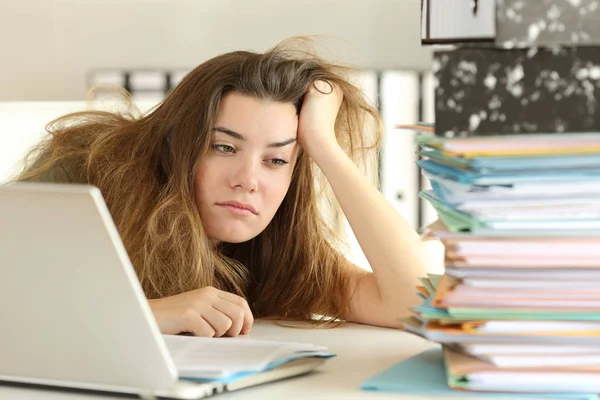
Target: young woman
{"points": [[215, 196]]}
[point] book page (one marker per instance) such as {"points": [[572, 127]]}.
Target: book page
{"points": [[198, 357]]}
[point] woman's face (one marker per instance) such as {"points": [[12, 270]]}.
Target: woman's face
{"points": [[243, 179]]}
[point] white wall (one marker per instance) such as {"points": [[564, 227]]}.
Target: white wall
{"points": [[48, 46]]}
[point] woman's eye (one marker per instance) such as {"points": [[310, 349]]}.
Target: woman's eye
{"points": [[223, 148], [278, 161]]}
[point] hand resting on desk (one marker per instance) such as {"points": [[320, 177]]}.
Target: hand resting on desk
{"points": [[204, 312]]}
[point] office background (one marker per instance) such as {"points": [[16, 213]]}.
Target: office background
{"points": [[54, 50]]}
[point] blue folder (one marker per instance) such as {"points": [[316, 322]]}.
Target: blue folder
{"points": [[589, 176], [424, 374], [240, 375]]}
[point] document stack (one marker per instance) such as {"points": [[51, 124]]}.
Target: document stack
{"points": [[514, 164]]}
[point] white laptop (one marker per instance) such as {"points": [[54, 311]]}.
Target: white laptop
{"points": [[72, 312]]}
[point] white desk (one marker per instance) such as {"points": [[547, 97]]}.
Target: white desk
{"points": [[362, 351]]}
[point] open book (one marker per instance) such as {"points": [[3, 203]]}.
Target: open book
{"points": [[226, 360]]}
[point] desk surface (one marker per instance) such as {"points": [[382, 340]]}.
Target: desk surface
{"points": [[362, 351]]}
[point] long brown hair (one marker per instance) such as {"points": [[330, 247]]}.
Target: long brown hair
{"points": [[145, 168]]}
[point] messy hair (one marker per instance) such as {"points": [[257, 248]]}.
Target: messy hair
{"points": [[145, 167]]}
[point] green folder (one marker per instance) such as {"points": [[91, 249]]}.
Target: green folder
{"points": [[428, 286], [521, 314], [454, 220]]}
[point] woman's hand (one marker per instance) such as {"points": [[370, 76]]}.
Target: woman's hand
{"points": [[204, 312], [316, 133]]}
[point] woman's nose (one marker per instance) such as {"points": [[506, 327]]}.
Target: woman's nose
{"points": [[246, 176]]}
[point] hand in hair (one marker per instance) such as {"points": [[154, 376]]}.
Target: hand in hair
{"points": [[204, 312], [316, 133]]}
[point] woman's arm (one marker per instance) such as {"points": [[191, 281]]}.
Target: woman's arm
{"points": [[391, 245]]}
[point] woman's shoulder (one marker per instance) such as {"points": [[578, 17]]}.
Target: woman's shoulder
{"points": [[59, 172]]}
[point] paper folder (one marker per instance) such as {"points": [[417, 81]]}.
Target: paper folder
{"points": [[424, 374]]}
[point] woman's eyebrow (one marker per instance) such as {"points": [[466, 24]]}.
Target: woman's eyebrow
{"points": [[282, 144], [229, 132], [239, 136]]}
